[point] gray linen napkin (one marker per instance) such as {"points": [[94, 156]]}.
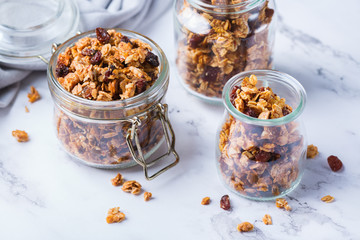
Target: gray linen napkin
{"points": [[128, 14]]}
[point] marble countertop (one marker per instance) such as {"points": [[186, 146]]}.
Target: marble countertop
{"points": [[46, 195]]}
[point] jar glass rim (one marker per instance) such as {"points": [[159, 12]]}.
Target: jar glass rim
{"points": [[118, 104], [244, 6], [275, 76]]}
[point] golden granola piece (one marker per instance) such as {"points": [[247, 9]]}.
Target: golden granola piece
{"points": [[117, 180], [147, 196], [21, 136], [115, 216], [267, 219], [312, 151], [33, 95], [282, 203], [132, 187], [327, 199], [26, 109], [245, 227], [205, 201]]}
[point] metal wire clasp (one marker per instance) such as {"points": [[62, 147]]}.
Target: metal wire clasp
{"points": [[170, 141]]}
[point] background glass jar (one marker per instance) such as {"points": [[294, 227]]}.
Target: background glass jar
{"points": [[217, 39], [114, 134], [240, 137]]}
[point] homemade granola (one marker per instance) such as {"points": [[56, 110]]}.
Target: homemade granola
{"points": [[267, 219], [213, 47], [33, 95], [21, 136], [117, 180], [147, 196], [132, 187], [115, 216], [327, 199], [255, 160], [107, 67], [245, 227], [205, 201], [312, 151]]}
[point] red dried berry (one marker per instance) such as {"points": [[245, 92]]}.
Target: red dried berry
{"points": [[233, 94], [195, 40], [210, 74], [61, 70], [263, 156], [141, 86], [225, 202], [88, 52], [102, 35], [152, 59], [125, 39], [286, 111], [96, 59], [108, 73], [334, 163], [251, 112]]}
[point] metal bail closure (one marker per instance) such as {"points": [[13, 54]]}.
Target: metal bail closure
{"points": [[170, 142]]}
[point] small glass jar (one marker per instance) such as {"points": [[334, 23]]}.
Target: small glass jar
{"points": [[240, 137], [217, 39], [114, 134]]}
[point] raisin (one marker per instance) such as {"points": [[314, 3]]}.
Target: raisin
{"points": [[88, 52], [61, 70], [102, 35], [125, 39], [251, 112], [152, 59], [233, 94], [334, 163], [210, 74], [108, 73], [195, 40], [225, 202], [141, 86], [286, 111], [263, 156], [96, 59]]}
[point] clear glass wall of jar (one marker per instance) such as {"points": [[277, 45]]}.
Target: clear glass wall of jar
{"points": [[240, 137], [217, 39], [114, 134]]}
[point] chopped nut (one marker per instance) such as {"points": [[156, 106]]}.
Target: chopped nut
{"points": [[327, 199], [21, 136], [114, 215], [117, 180], [282, 203], [312, 151], [33, 95], [147, 196], [205, 201], [245, 227], [26, 109], [267, 219], [131, 186]]}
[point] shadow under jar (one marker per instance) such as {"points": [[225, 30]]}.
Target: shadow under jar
{"points": [[219, 38], [262, 159], [117, 133]]}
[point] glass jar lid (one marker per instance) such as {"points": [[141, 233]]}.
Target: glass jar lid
{"points": [[28, 28]]}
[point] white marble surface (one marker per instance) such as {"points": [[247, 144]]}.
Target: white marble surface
{"points": [[46, 195]]}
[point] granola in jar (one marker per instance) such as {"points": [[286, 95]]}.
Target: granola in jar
{"points": [[219, 38], [261, 144], [108, 87]]}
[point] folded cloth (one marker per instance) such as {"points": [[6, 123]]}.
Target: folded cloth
{"points": [[128, 14]]}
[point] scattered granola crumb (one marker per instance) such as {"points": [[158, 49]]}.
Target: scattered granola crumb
{"points": [[205, 201], [327, 199], [245, 227], [21, 136], [26, 109], [267, 219], [312, 151], [33, 95], [114, 215], [334, 163], [132, 186], [117, 180], [282, 203], [147, 196]]}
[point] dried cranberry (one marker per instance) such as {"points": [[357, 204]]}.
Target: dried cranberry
{"points": [[225, 202], [286, 111], [334, 163], [61, 70], [88, 52], [152, 59], [233, 94], [195, 40], [96, 59], [108, 73], [210, 74], [141, 86], [251, 112], [102, 35], [125, 39], [263, 156]]}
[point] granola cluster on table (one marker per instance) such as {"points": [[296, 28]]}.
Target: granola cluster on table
{"points": [[222, 45], [259, 161], [107, 67]]}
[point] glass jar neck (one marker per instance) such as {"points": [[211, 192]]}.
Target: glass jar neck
{"points": [[269, 78], [236, 8]]}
